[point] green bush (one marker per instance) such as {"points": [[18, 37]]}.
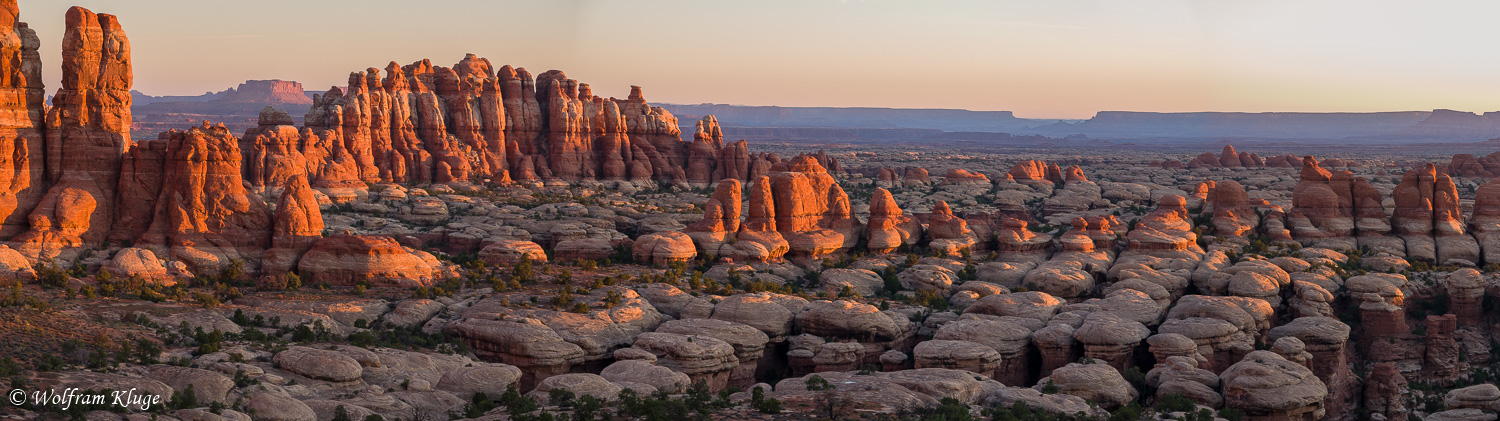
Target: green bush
{"points": [[1174, 402], [817, 383], [765, 405]]}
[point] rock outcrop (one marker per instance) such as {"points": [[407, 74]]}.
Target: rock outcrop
{"points": [[888, 228], [203, 214], [1232, 214], [380, 261], [545, 343], [950, 234], [663, 248], [22, 122], [88, 131], [1229, 158], [1429, 217], [297, 224], [88, 126], [1485, 222], [473, 122], [1166, 232], [1330, 209], [721, 233], [811, 210]]}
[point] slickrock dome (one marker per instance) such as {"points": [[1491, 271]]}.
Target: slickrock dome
{"points": [[1265, 384], [1099, 383]]}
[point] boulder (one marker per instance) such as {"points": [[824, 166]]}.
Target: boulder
{"points": [[663, 248], [580, 384], [1098, 383], [508, 252], [702, 358], [319, 364], [1266, 385], [273, 406], [489, 379], [381, 261], [658, 377]]}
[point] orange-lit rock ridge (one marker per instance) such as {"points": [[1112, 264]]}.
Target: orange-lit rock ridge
{"points": [[473, 122], [22, 121], [88, 130], [181, 198]]}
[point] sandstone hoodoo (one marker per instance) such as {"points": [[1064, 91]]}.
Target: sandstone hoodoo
{"points": [[87, 131], [22, 162], [1429, 218], [1228, 159], [889, 229], [1338, 210], [475, 122]]}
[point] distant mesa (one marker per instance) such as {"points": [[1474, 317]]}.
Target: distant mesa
{"points": [[266, 92], [239, 108], [1400, 127], [274, 91]]}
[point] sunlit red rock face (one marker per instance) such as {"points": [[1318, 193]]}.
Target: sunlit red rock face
{"points": [[180, 197], [889, 228], [296, 225], [202, 212], [473, 122], [812, 211], [21, 121], [801, 210], [1429, 217], [347, 259], [88, 130], [1228, 159], [1034, 171], [1331, 209], [275, 152], [1166, 232]]}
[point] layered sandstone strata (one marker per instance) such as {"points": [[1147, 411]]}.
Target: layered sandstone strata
{"points": [[1166, 232], [950, 234], [1429, 217], [22, 121], [812, 210], [888, 228], [473, 122], [1331, 209], [88, 131]]}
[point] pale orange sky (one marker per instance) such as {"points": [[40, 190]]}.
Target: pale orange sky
{"points": [[1041, 59]]}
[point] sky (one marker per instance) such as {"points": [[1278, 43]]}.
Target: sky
{"points": [[1038, 58]]}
